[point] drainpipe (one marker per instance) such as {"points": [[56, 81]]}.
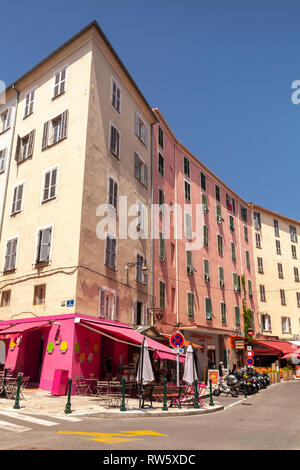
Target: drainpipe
{"points": [[9, 159], [152, 241], [176, 237]]}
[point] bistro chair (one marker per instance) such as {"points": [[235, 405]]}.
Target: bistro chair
{"points": [[80, 386]]}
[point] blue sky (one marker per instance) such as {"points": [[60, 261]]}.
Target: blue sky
{"points": [[219, 70]]}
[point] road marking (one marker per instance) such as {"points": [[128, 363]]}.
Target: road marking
{"points": [[114, 438], [30, 419], [235, 403], [12, 427], [66, 418]]}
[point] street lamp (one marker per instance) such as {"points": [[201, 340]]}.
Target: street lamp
{"points": [[131, 265]]}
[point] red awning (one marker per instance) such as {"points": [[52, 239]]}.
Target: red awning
{"points": [[22, 327], [165, 355], [278, 347], [135, 338]]}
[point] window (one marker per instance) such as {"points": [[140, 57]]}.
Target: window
{"points": [[219, 213], [262, 293], [257, 220], [278, 248], [113, 193], [55, 130], [223, 313], [18, 199], [139, 314], [108, 304], [188, 225], [246, 234], [5, 120], [208, 309], [187, 190], [39, 294], [244, 213], [60, 82], [286, 325], [218, 195], [29, 102], [141, 215], [282, 297], [186, 167], [114, 141], [231, 223], [161, 163], [266, 322], [161, 201], [296, 274], [248, 259], [2, 160], [160, 137], [258, 240], [140, 272], [204, 203], [115, 95], [11, 255], [206, 269], [298, 298], [230, 203], [293, 233], [5, 298], [237, 316], [190, 304], [294, 251], [24, 147], [189, 262], [50, 184], [233, 252], [260, 265], [276, 228], [220, 244], [221, 276], [140, 170], [280, 270], [205, 235], [250, 292], [203, 181], [162, 247], [236, 282], [162, 294], [110, 253], [141, 129], [44, 245]]}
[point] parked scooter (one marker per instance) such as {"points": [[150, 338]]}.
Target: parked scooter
{"points": [[228, 386]]}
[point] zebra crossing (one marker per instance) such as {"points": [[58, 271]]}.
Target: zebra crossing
{"points": [[52, 420]]}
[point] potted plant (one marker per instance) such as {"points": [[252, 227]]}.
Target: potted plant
{"points": [[285, 374]]}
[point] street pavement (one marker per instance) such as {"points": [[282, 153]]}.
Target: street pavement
{"points": [[269, 420]]}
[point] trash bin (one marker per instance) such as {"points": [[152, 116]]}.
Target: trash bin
{"points": [[60, 382]]}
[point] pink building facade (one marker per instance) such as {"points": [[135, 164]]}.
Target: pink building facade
{"points": [[205, 269]]}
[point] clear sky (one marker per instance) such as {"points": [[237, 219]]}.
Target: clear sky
{"points": [[219, 70]]}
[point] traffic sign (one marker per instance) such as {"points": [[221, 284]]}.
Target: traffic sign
{"points": [[249, 353], [249, 348], [177, 340], [250, 361]]}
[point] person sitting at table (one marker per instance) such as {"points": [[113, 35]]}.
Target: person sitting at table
{"points": [[108, 368]]}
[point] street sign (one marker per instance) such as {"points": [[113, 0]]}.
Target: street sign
{"points": [[249, 348], [177, 340], [250, 361], [250, 332], [249, 353]]}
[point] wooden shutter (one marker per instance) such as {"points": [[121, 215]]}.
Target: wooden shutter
{"points": [[64, 123], [146, 176], [113, 253], [208, 309], [134, 312], [136, 165], [161, 246], [101, 302], [18, 148], [115, 199], [2, 160], [8, 255], [19, 197], [190, 304], [108, 251], [111, 191], [205, 235], [116, 307], [45, 134], [9, 113], [31, 143], [136, 123], [189, 259], [145, 135], [53, 183], [47, 186], [206, 269], [45, 242]]}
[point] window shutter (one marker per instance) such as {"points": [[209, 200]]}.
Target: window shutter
{"points": [[2, 160], [111, 191], [18, 202], [113, 253], [18, 148], [9, 111], [146, 175], [145, 135], [116, 307], [101, 302], [108, 251], [145, 315], [289, 325], [8, 255], [190, 305], [136, 165], [205, 235], [136, 123], [189, 259], [47, 186], [45, 135], [31, 143], [53, 183], [45, 242], [270, 324], [208, 309], [134, 312], [115, 200], [161, 246], [64, 123]]}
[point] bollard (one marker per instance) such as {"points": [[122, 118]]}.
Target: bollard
{"points": [[123, 408], [17, 405], [196, 405], [211, 403], [179, 402], [245, 389], [68, 405], [165, 408]]}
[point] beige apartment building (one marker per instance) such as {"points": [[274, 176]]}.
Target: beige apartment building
{"points": [[82, 140], [277, 254]]}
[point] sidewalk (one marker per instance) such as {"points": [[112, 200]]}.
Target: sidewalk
{"points": [[41, 402]]}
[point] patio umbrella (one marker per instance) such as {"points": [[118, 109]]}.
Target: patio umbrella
{"points": [[294, 354], [190, 371], [144, 372]]}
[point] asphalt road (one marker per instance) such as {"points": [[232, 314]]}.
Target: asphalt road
{"points": [[269, 420]]}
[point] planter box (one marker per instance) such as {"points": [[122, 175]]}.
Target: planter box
{"points": [[291, 374], [286, 376]]}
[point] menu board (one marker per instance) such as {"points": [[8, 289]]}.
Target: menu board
{"points": [[213, 375]]}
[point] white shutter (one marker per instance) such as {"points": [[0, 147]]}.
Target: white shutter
{"points": [[2, 160], [9, 113]]}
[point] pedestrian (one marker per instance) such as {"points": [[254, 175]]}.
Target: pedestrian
{"points": [[220, 367], [108, 368]]}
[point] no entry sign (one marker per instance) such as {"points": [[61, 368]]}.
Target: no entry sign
{"points": [[177, 340]]}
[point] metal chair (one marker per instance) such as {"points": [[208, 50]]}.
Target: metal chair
{"points": [[80, 386]]}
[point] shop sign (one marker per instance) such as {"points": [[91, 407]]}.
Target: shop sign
{"points": [[213, 375], [239, 344]]}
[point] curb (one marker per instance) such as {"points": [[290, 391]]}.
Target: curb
{"points": [[151, 414]]}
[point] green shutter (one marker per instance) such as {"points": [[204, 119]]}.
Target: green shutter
{"points": [[237, 316], [208, 310], [190, 300]]}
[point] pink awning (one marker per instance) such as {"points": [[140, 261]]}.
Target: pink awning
{"points": [[165, 355], [131, 335], [22, 327]]}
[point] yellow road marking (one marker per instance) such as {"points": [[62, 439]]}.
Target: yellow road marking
{"points": [[114, 438]]}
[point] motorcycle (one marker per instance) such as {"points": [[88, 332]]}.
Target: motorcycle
{"points": [[227, 386]]}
